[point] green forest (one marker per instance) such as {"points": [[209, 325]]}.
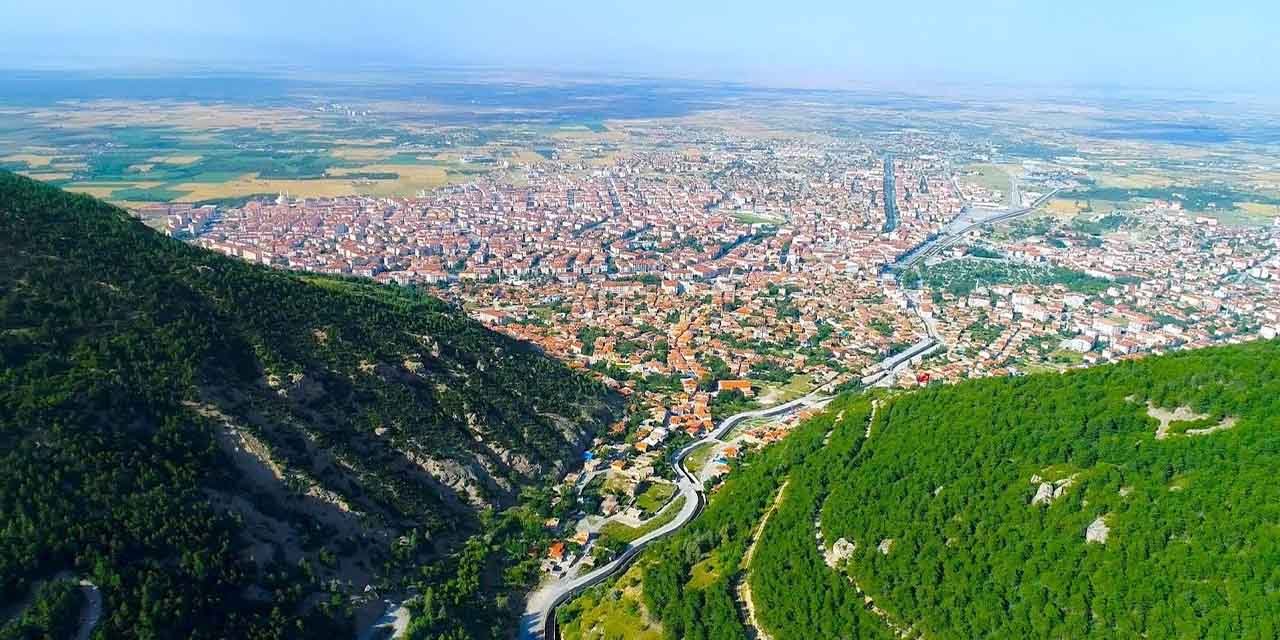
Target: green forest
{"points": [[962, 276], [228, 450], [939, 499], [1193, 549]]}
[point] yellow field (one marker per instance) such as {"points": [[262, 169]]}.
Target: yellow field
{"points": [[527, 157], [606, 160], [103, 190], [1134, 181], [363, 142], [249, 184], [33, 161], [412, 178], [586, 135], [1060, 208], [176, 160], [46, 175], [1259, 209], [361, 154]]}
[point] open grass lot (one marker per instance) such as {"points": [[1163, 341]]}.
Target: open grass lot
{"points": [[1246, 214], [247, 184], [1259, 209], [751, 217], [617, 531], [991, 176], [176, 160], [1133, 180], [704, 573], [107, 189], [362, 154], [697, 459], [1059, 208], [798, 386], [1067, 208], [655, 496]]}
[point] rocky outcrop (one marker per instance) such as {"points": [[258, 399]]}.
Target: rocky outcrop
{"points": [[1047, 492], [464, 480], [1098, 530], [839, 552]]}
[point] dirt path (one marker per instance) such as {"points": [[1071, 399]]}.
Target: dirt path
{"points": [[875, 406], [744, 586]]}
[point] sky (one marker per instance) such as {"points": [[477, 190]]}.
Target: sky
{"points": [[1205, 45]]}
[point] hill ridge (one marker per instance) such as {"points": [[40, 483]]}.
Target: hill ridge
{"points": [[301, 418]]}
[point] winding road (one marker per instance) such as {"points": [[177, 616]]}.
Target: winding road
{"points": [[538, 620]]}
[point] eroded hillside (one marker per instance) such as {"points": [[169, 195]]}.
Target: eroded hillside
{"points": [[213, 441]]}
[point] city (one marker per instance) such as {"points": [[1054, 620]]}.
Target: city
{"points": [[710, 282]]}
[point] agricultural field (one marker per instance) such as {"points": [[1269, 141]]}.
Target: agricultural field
{"points": [[138, 152]]}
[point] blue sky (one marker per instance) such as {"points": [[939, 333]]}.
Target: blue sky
{"points": [[1142, 43]]}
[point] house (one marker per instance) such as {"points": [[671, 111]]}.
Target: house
{"points": [[556, 551], [734, 385]]}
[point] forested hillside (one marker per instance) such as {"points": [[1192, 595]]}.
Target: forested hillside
{"points": [[1132, 500], [232, 451]]}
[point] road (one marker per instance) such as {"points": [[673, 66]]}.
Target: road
{"points": [[393, 622], [953, 231], [538, 620], [92, 611]]}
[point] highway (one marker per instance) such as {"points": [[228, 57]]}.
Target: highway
{"points": [[538, 620], [967, 221], [92, 611]]}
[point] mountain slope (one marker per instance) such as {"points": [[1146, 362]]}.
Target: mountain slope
{"points": [[1134, 500], [1130, 500], [211, 440]]}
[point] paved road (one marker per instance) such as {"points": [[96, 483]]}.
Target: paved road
{"points": [[393, 622], [538, 620], [92, 611], [968, 220]]}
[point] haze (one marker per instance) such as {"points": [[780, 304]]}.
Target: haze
{"points": [[810, 43]]}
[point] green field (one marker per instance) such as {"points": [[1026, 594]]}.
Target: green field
{"points": [[654, 496], [617, 532], [610, 611], [960, 277], [697, 459]]}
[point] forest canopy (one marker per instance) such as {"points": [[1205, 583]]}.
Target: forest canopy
{"points": [[228, 450]]}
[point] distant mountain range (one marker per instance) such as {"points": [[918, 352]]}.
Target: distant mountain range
{"points": [[228, 450]]}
